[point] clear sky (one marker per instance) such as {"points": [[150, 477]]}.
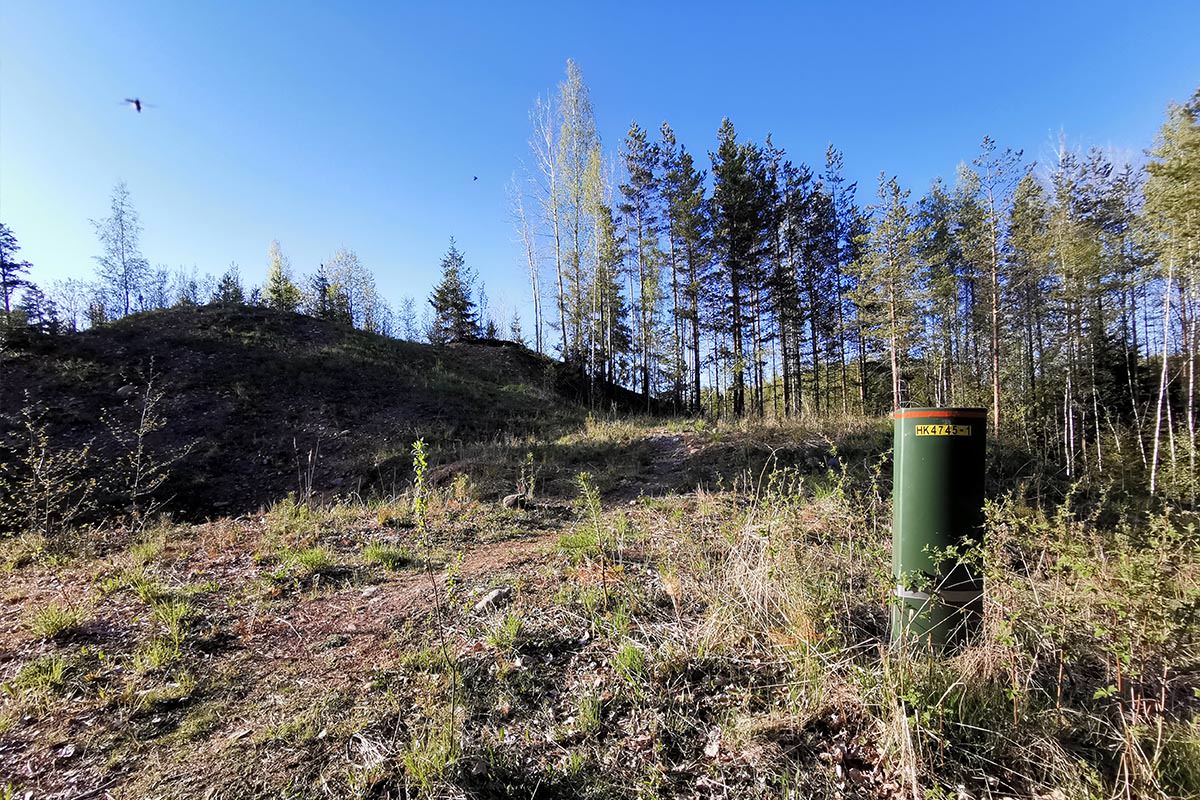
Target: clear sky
{"points": [[362, 125]]}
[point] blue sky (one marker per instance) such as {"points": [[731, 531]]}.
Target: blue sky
{"points": [[362, 125]]}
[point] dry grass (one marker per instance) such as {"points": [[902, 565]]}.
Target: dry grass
{"points": [[725, 638]]}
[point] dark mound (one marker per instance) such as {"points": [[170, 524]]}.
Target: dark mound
{"points": [[252, 392]]}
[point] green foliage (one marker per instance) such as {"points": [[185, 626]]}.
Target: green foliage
{"points": [[155, 655], [279, 292], [430, 751], [11, 270], [174, 614], [229, 289], [303, 564], [629, 662], [121, 271], [141, 467], [506, 634], [53, 621], [388, 556], [454, 315], [588, 714], [420, 503], [41, 677], [44, 487]]}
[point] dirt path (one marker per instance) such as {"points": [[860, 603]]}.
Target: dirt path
{"points": [[666, 455]]}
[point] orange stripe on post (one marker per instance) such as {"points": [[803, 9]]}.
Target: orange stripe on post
{"points": [[939, 414]]}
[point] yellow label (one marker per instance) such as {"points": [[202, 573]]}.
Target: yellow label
{"points": [[943, 430]]}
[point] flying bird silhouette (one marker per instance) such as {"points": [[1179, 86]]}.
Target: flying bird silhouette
{"points": [[475, 178], [135, 103]]}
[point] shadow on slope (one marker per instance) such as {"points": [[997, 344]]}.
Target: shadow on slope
{"points": [[256, 393]]}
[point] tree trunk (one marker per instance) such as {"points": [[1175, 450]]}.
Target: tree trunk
{"points": [[1162, 378]]}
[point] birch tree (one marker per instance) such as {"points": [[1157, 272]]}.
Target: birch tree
{"points": [[121, 270]]}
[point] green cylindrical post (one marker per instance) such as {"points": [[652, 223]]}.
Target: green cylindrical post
{"points": [[937, 513]]}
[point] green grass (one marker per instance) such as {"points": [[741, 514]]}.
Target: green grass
{"points": [[174, 615], [148, 551], [157, 654], [302, 564], [55, 622], [629, 662], [388, 556], [44, 676], [587, 715], [506, 634]]}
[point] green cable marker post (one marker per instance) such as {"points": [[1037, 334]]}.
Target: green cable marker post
{"points": [[937, 510]]}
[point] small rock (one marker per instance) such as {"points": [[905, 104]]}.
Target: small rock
{"points": [[713, 747], [493, 600], [515, 501]]}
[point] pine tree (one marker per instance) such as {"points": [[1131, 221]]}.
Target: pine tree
{"points": [[514, 330], [454, 317], [849, 225], [891, 279], [738, 222], [641, 221], [40, 312], [317, 303], [938, 249], [229, 289], [998, 175], [11, 269], [1028, 266], [687, 229], [121, 269], [280, 293], [327, 299]]}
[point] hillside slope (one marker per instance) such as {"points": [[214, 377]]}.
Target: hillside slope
{"points": [[252, 392]]}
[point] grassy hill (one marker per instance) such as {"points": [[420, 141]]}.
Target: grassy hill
{"points": [[253, 393]]}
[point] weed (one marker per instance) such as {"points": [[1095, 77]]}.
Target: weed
{"points": [[431, 749], [304, 564], [174, 615], [427, 659], [629, 662], [172, 694], [505, 635], [45, 486], [155, 655], [288, 518], [579, 545], [388, 556], [146, 552], [587, 715], [43, 676], [148, 588], [141, 468], [54, 621]]}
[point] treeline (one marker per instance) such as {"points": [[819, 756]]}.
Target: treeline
{"points": [[341, 289], [1062, 296]]}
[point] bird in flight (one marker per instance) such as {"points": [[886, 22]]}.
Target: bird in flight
{"points": [[475, 178], [135, 103]]}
